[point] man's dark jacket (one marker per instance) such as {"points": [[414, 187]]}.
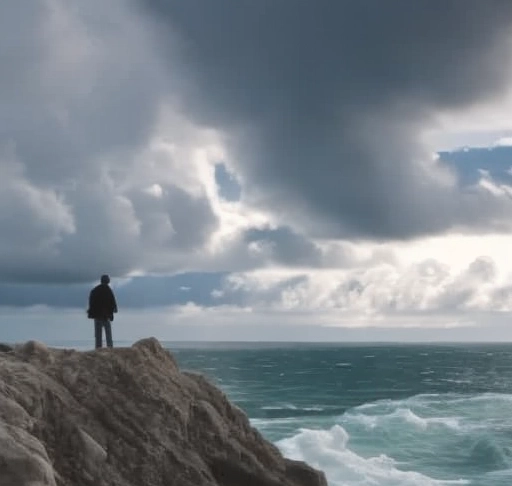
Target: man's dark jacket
{"points": [[102, 303]]}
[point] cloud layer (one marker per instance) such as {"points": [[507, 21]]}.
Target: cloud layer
{"points": [[92, 158], [251, 149], [326, 104]]}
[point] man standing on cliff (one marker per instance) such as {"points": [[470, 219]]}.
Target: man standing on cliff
{"points": [[102, 306]]}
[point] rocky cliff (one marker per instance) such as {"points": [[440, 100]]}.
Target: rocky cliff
{"points": [[126, 416]]}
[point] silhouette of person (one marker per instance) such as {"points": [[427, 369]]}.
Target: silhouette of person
{"points": [[102, 306]]}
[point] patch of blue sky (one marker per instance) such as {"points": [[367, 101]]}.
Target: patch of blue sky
{"points": [[138, 292], [469, 162], [228, 187]]}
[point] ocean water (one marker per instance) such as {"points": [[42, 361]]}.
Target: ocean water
{"points": [[374, 415]]}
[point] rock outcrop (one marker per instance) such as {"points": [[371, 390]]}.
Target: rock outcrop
{"points": [[123, 417]]}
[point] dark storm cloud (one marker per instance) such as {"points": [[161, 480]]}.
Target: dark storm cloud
{"points": [[285, 247], [175, 219], [325, 102], [75, 84], [321, 104], [81, 92]]}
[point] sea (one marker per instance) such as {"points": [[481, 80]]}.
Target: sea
{"points": [[374, 415]]}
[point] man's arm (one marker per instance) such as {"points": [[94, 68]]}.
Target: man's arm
{"points": [[114, 303], [89, 310]]}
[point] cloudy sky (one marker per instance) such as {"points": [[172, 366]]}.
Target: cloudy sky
{"points": [[257, 170]]}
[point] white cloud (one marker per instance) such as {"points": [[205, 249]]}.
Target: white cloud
{"points": [[422, 291], [482, 124], [155, 190], [34, 218], [503, 142]]}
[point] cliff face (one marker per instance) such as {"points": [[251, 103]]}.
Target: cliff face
{"points": [[123, 417]]}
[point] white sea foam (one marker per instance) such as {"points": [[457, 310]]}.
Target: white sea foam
{"points": [[410, 417], [432, 399], [290, 406], [405, 415], [272, 422], [370, 405], [284, 406], [491, 397], [328, 450], [455, 380]]}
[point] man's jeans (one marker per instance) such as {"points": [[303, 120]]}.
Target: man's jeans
{"points": [[99, 324]]}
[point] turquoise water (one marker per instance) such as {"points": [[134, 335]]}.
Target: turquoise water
{"points": [[383, 415]]}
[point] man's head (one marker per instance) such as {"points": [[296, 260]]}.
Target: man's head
{"points": [[105, 279]]}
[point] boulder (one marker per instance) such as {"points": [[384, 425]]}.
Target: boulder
{"points": [[127, 416], [5, 348]]}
